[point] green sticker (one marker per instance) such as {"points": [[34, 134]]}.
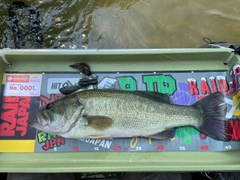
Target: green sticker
{"points": [[188, 140], [185, 134]]}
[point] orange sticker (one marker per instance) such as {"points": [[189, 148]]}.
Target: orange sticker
{"points": [[17, 78]]}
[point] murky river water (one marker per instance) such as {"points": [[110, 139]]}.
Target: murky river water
{"points": [[126, 23]]}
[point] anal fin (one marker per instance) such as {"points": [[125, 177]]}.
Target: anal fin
{"points": [[167, 134]]}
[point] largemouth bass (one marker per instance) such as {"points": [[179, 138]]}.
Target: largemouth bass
{"points": [[118, 114]]}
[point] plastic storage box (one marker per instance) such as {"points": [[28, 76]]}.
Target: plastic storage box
{"points": [[118, 60]]}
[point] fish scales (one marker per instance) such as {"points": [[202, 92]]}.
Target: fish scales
{"points": [[117, 113], [135, 114]]}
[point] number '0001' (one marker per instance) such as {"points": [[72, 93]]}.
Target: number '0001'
{"points": [[26, 87]]}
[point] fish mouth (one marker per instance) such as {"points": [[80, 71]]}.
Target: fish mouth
{"points": [[42, 125], [42, 117], [37, 124]]}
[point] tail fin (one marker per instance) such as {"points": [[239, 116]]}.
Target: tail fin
{"points": [[214, 123]]}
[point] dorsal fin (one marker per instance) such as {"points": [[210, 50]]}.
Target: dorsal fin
{"points": [[155, 96]]}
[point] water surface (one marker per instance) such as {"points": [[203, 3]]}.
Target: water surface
{"points": [[106, 24]]}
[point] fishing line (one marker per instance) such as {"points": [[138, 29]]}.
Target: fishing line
{"points": [[207, 40], [155, 83], [206, 175], [220, 176], [117, 83]]}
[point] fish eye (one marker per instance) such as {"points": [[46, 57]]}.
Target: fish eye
{"points": [[49, 106]]}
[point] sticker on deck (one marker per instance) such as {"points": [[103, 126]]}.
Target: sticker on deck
{"points": [[23, 85], [19, 102]]}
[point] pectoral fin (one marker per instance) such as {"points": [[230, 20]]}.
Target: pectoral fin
{"points": [[99, 122], [169, 133]]}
